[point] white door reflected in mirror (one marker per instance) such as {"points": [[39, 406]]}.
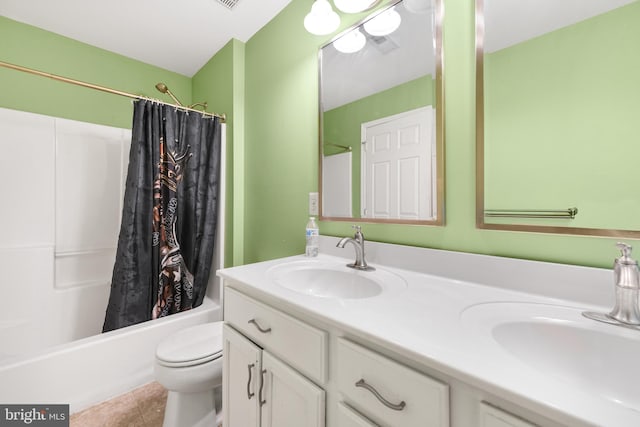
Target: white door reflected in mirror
{"points": [[397, 166]]}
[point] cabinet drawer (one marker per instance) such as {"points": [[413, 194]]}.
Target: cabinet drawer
{"points": [[490, 416], [347, 417], [300, 345], [388, 392]]}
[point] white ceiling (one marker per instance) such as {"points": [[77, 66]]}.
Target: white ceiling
{"points": [[509, 22], [352, 76], [178, 35]]}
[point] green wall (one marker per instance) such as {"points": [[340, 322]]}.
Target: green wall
{"points": [[221, 83], [275, 120], [342, 125], [282, 152], [556, 101], [45, 51]]}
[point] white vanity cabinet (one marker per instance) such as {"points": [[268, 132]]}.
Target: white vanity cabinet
{"points": [[276, 372], [282, 372], [436, 350], [387, 391], [259, 389], [348, 417]]}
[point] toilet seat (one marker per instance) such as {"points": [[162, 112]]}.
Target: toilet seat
{"points": [[192, 346]]}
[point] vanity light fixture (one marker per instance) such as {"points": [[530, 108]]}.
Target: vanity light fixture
{"points": [[355, 6], [351, 42], [322, 19], [385, 23]]}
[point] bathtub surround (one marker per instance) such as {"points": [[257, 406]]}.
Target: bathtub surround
{"points": [[169, 220], [63, 212]]}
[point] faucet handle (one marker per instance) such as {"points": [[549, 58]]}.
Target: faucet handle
{"points": [[358, 230]]}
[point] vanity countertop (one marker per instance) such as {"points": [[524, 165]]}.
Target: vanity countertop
{"points": [[433, 321]]}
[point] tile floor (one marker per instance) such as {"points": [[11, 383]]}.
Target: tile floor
{"points": [[142, 407]]}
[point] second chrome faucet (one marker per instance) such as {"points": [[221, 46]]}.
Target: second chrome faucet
{"points": [[358, 243]]}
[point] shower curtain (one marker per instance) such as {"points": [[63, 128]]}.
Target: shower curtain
{"points": [[167, 235]]}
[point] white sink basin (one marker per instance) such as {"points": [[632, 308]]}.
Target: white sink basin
{"points": [[328, 279], [558, 341]]}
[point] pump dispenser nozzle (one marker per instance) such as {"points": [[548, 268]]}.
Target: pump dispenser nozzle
{"points": [[625, 268]]}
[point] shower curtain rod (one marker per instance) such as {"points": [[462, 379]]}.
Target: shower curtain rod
{"points": [[223, 117]]}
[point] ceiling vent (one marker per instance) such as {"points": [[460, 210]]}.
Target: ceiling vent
{"points": [[228, 3], [383, 43]]}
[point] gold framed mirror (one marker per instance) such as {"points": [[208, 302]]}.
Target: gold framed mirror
{"points": [[557, 129], [381, 145]]}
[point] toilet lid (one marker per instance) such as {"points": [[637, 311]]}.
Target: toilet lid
{"points": [[190, 346]]}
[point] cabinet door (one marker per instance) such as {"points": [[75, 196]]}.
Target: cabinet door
{"points": [[290, 400], [347, 417], [491, 416], [240, 380]]}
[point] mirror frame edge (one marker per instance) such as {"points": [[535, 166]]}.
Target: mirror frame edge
{"points": [[480, 143], [439, 121]]}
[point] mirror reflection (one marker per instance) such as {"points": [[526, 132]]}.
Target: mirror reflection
{"points": [[380, 107], [558, 112]]}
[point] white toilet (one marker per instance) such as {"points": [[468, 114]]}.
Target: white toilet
{"points": [[189, 364]]}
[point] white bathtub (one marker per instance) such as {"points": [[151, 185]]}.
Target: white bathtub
{"points": [[91, 370]]}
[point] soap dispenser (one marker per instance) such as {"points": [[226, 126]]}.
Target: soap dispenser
{"points": [[627, 287]]}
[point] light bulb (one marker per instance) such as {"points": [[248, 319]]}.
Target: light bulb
{"points": [[385, 23], [351, 42], [322, 19], [417, 6]]}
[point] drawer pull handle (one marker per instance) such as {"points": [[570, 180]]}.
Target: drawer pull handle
{"points": [[261, 329], [399, 407], [262, 401], [249, 394]]}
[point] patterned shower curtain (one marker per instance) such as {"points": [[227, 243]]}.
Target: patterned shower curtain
{"points": [[169, 219]]}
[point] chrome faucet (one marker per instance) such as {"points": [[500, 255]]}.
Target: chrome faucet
{"points": [[627, 286], [358, 243]]}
